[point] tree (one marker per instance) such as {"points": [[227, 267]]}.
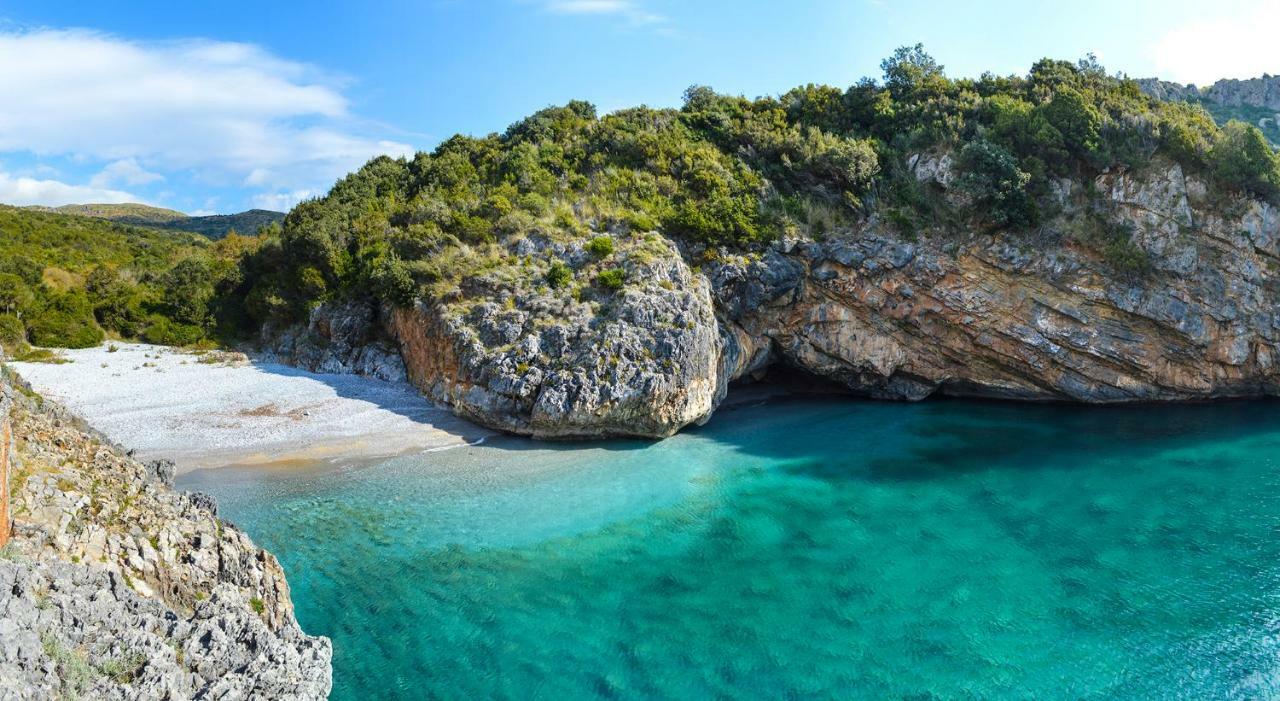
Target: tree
{"points": [[1187, 133], [819, 106], [1078, 121], [1242, 159], [65, 321], [990, 174], [15, 295], [699, 98], [910, 70], [188, 288]]}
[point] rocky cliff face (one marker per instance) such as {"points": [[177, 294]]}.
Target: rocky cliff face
{"points": [[583, 362], [1045, 315], [1047, 319], [1254, 92], [342, 338], [115, 586]]}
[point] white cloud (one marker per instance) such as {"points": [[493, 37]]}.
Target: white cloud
{"points": [[125, 171], [1236, 44], [588, 6], [281, 201], [221, 110], [23, 191], [627, 9]]}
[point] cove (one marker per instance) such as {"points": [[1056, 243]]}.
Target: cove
{"points": [[800, 547]]}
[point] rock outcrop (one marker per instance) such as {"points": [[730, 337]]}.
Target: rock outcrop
{"points": [[344, 338], [115, 586], [522, 357], [993, 316], [1255, 92], [1191, 312]]}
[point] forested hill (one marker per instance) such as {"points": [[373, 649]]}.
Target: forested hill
{"points": [[213, 226], [69, 280], [727, 172]]}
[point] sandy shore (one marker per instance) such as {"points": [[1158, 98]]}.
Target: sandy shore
{"points": [[203, 411]]}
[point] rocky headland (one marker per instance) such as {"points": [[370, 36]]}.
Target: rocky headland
{"points": [[113, 585], [875, 311]]}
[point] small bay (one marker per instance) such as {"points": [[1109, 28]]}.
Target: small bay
{"points": [[799, 547]]}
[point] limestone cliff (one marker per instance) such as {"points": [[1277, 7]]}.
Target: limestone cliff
{"points": [[1192, 312], [1043, 318], [1255, 92], [115, 586]]}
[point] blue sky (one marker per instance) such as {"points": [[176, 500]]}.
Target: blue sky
{"points": [[218, 107]]}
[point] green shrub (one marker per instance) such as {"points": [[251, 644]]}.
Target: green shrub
{"points": [[1242, 159], [65, 320], [13, 335], [73, 669], [559, 275], [990, 175], [600, 246], [612, 279], [167, 332], [1114, 243], [1078, 121], [16, 296], [1187, 134]]}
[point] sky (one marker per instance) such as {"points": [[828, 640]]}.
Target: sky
{"points": [[219, 107]]}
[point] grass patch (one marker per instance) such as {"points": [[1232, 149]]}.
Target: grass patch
{"points": [[74, 670], [123, 669], [41, 355]]}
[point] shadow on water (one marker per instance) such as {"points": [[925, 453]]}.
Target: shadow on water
{"points": [[834, 436], [844, 437]]}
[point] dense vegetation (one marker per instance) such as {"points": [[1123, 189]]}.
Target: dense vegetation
{"points": [[70, 281], [728, 171], [1265, 119], [722, 172], [213, 226]]}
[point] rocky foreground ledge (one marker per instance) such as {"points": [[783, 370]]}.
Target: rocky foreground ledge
{"points": [[114, 586], [1142, 287]]}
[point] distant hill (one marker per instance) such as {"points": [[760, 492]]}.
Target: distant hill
{"points": [[78, 243], [1256, 101], [213, 226], [128, 213]]}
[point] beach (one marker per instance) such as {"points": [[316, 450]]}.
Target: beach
{"points": [[214, 409]]}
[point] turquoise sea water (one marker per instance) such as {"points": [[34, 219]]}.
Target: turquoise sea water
{"points": [[801, 548]]}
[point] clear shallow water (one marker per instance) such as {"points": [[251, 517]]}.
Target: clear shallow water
{"points": [[801, 548]]}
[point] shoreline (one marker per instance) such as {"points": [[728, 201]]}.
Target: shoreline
{"points": [[217, 409]]}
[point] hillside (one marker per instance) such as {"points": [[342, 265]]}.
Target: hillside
{"points": [[216, 226], [77, 243], [69, 280], [1255, 101], [213, 226], [128, 213]]}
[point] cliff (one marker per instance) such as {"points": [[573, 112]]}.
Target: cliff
{"points": [[1054, 236], [1188, 309], [1261, 92], [115, 586]]}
